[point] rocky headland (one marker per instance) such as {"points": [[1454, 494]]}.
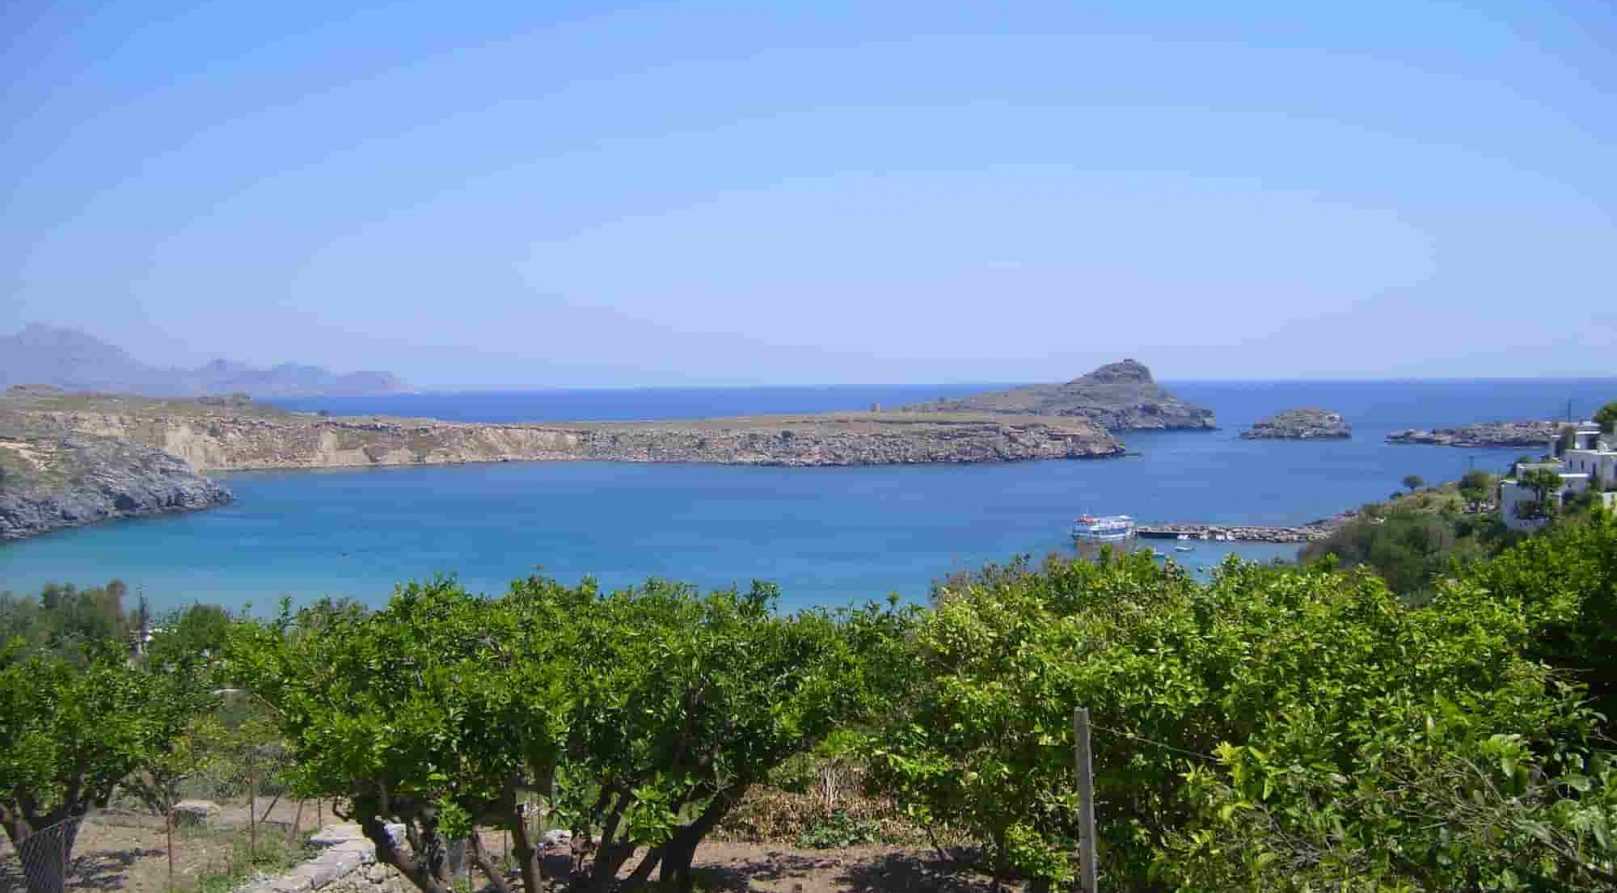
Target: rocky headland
{"points": [[1533, 435], [233, 435], [1300, 424], [72, 458], [1119, 396], [52, 478]]}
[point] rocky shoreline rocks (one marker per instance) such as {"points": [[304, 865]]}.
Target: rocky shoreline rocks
{"points": [[1300, 424], [1119, 396], [1533, 434], [49, 481]]}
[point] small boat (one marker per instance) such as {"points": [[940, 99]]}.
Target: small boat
{"points": [[1184, 536], [1103, 528], [1184, 548]]}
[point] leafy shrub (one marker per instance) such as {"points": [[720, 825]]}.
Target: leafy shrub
{"points": [[837, 830], [1276, 728]]}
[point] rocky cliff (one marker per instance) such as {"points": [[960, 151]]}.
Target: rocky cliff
{"points": [[69, 459], [1119, 396], [1300, 424], [226, 435], [51, 479]]}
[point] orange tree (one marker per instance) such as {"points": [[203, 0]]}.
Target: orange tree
{"points": [[639, 717], [1274, 728], [74, 727]]}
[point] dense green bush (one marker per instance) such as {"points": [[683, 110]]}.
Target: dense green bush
{"points": [[640, 717], [1276, 728]]}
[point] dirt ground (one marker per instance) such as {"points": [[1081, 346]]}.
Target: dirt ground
{"points": [[128, 853]]}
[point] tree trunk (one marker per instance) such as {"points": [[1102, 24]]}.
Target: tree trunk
{"points": [[528, 857], [423, 870], [680, 849], [45, 854]]}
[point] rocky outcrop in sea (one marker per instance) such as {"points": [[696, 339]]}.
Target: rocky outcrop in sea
{"points": [[1119, 396], [1532, 435], [1300, 424], [51, 480]]}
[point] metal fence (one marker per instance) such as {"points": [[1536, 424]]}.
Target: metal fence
{"points": [[196, 844]]}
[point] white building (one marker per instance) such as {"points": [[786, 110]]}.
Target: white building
{"points": [[1589, 461]]}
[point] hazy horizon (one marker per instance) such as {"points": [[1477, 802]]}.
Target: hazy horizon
{"points": [[503, 197]]}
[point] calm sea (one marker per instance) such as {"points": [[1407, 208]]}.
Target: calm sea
{"points": [[828, 536]]}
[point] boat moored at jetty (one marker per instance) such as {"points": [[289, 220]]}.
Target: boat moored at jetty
{"points": [[1102, 528]]}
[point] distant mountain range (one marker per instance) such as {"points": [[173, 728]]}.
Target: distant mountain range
{"points": [[72, 360]]}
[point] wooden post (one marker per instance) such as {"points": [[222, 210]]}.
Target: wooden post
{"points": [[168, 831], [1086, 801], [252, 811]]}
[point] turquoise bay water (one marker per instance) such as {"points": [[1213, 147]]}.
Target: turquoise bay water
{"points": [[826, 535]]}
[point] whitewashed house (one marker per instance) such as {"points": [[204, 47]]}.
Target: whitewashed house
{"points": [[1590, 460]]}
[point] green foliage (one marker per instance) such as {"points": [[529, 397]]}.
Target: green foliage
{"points": [[1414, 540], [1476, 486], [1276, 728], [66, 620], [1545, 483], [641, 716], [1413, 482], [75, 727], [1606, 417], [839, 830]]}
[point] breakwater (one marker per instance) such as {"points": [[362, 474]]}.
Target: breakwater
{"points": [[1247, 533]]}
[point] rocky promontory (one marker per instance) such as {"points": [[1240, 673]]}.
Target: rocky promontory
{"points": [[55, 479], [1532, 434], [240, 434], [73, 458], [1119, 396], [1300, 424]]}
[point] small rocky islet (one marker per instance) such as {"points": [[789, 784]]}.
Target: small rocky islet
{"points": [[1531, 434], [1300, 424]]}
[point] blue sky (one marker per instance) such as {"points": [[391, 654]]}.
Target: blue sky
{"points": [[522, 194]]}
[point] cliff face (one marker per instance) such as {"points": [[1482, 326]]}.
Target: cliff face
{"points": [[52, 479], [1119, 396], [225, 443], [224, 435]]}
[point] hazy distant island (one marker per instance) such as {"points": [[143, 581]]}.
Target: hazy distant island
{"points": [[74, 361], [1119, 396], [1530, 434], [1300, 424]]}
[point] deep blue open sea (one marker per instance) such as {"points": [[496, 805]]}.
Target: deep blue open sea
{"points": [[828, 536]]}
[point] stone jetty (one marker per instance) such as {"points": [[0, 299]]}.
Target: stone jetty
{"points": [[1248, 533]]}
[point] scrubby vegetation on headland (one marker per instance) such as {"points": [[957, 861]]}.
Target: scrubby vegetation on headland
{"points": [[1275, 728]]}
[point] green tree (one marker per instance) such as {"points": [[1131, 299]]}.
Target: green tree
{"points": [[1476, 487], [1606, 417], [1413, 482], [74, 729], [640, 717], [1272, 729], [1546, 484]]}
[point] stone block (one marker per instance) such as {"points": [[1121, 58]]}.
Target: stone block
{"points": [[195, 813]]}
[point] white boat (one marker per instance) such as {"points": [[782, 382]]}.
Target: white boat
{"points": [[1184, 548], [1103, 528]]}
